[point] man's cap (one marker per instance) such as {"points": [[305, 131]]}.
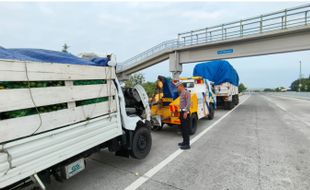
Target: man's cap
{"points": [[178, 84]]}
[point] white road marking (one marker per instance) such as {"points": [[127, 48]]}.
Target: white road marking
{"points": [[292, 98], [141, 180], [279, 106], [276, 104]]}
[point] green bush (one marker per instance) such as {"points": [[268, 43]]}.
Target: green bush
{"points": [[305, 85]]}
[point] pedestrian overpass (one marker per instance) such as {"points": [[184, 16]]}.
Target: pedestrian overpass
{"points": [[278, 32]]}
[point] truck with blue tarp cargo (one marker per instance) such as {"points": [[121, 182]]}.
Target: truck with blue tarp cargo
{"points": [[57, 109], [225, 79]]}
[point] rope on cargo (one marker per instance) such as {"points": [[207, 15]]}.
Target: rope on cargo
{"points": [[89, 116], [109, 74], [110, 90], [32, 99]]}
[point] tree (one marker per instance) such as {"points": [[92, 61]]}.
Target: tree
{"points": [[268, 90], [135, 79], [65, 48], [242, 87], [305, 85], [149, 87], [139, 78]]}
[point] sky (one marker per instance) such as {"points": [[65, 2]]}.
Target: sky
{"points": [[128, 28]]}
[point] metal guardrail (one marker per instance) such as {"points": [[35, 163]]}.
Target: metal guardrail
{"points": [[276, 21]]}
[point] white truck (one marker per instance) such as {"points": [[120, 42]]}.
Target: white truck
{"points": [[227, 95], [225, 79], [55, 143]]}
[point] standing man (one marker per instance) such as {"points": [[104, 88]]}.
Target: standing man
{"points": [[185, 104]]}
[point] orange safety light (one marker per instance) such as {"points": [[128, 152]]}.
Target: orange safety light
{"points": [[175, 81], [199, 81], [176, 108], [171, 108]]}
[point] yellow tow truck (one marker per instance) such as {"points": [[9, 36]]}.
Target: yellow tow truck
{"points": [[165, 107]]}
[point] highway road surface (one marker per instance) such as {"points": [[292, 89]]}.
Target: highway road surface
{"points": [[264, 143]]}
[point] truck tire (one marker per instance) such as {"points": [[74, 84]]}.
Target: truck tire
{"points": [[211, 112], [229, 105], [193, 126], [237, 99], [141, 143]]}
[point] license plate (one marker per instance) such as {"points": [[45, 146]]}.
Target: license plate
{"points": [[74, 168]]}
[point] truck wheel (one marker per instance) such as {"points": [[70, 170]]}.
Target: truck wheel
{"points": [[226, 105], [193, 126], [229, 105], [237, 99], [211, 112], [142, 143]]}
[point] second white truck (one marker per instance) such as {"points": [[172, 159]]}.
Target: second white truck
{"points": [[225, 81], [227, 95]]}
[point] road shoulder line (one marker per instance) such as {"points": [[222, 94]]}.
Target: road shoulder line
{"points": [[292, 98], [274, 103]]}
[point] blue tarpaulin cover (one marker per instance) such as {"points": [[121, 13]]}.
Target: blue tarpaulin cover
{"points": [[218, 71], [169, 89], [101, 61], [40, 55]]}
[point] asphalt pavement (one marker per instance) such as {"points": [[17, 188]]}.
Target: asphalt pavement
{"points": [[262, 144]]}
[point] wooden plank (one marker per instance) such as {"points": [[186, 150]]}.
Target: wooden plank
{"points": [[16, 71], [24, 126], [72, 103], [15, 99]]}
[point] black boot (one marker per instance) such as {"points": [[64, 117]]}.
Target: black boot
{"points": [[181, 144], [185, 147]]}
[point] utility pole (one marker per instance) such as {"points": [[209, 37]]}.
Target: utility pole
{"points": [[300, 76]]}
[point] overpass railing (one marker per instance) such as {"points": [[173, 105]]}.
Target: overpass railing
{"points": [[276, 21]]}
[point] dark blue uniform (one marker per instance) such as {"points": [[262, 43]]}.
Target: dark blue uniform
{"points": [[185, 104]]}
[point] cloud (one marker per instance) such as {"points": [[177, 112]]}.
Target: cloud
{"points": [[201, 15], [109, 18], [45, 8], [126, 29]]}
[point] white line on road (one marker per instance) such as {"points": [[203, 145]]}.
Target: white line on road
{"points": [[292, 98], [276, 104], [141, 180]]}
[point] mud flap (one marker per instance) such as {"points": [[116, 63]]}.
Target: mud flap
{"points": [[123, 152]]}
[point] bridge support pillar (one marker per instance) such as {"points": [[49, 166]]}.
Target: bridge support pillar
{"points": [[122, 77], [174, 65]]}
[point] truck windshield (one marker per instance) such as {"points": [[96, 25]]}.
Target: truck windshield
{"points": [[188, 84]]}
